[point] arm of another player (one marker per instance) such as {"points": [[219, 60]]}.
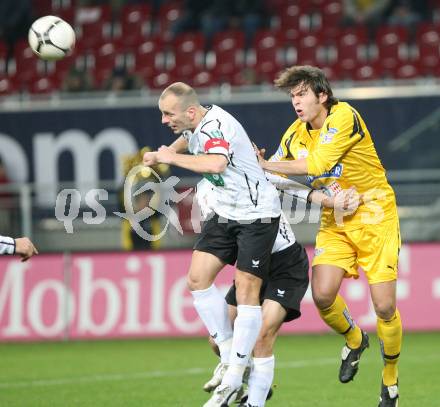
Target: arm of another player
{"points": [[346, 200], [25, 248], [21, 246], [291, 187], [289, 167], [205, 163]]}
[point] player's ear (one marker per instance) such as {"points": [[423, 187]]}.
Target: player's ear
{"points": [[191, 112], [323, 97]]}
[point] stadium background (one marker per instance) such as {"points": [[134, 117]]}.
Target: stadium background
{"points": [[81, 122]]}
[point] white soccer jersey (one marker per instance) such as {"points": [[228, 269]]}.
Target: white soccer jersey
{"points": [[285, 236], [7, 245], [242, 191]]}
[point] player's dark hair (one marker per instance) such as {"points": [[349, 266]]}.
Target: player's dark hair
{"points": [[308, 76]]}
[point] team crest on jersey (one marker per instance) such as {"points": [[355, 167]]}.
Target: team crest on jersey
{"points": [[216, 133], [319, 251], [327, 138]]}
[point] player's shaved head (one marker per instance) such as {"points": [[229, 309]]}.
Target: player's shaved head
{"points": [[185, 94], [180, 107]]}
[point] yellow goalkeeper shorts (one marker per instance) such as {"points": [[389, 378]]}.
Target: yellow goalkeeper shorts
{"points": [[374, 248]]}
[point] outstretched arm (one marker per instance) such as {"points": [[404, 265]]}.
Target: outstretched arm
{"points": [[347, 200], [291, 167], [21, 246], [205, 163]]}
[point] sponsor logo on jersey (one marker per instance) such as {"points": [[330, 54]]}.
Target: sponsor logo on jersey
{"points": [[215, 179], [335, 172], [255, 263]]}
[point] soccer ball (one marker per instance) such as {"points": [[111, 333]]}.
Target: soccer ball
{"points": [[51, 38]]}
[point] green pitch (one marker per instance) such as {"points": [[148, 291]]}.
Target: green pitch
{"points": [[155, 373]]}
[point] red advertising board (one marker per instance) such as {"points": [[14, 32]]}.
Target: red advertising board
{"points": [[117, 295]]}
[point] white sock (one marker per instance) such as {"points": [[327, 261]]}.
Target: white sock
{"points": [[213, 311], [247, 326], [260, 380], [225, 350]]}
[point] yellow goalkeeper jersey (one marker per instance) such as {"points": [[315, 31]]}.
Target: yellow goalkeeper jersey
{"points": [[342, 155]]}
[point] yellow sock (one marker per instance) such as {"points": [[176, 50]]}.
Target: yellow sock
{"points": [[338, 318], [390, 336]]}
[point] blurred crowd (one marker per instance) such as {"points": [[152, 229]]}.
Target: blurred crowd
{"points": [[207, 17]]}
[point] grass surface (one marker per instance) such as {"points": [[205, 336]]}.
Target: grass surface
{"points": [[152, 373]]}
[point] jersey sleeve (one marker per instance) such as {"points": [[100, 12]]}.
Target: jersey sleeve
{"points": [[7, 245], [289, 186], [341, 133], [213, 139]]}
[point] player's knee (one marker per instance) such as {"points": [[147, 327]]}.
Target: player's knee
{"points": [[196, 282], [247, 289], [322, 298], [385, 308]]}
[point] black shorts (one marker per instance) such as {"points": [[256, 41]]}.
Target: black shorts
{"points": [[287, 283], [247, 244]]}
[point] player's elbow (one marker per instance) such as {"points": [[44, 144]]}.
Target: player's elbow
{"points": [[217, 164]]}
